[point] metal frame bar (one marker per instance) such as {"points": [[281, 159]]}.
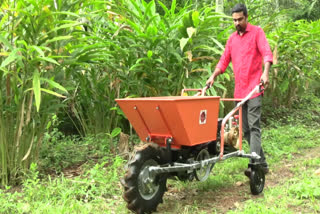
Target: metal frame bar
{"points": [[165, 123], [177, 167], [232, 112], [144, 122]]}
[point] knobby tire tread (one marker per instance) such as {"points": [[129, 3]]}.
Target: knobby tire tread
{"points": [[131, 194]]}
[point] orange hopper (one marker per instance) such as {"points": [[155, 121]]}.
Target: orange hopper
{"points": [[189, 120]]}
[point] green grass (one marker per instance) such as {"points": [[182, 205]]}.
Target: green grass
{"points": [[300, 194], [96, 191]]}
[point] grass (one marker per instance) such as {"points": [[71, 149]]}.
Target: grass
{"points": [[283, 144], [48, 188], [96, 191], [300, 194]]}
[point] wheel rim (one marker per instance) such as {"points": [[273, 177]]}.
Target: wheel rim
{"points": [[203, 173], [218, 146], [147, 186]]}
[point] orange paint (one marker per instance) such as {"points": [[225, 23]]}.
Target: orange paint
{"points": [[189, 120]]}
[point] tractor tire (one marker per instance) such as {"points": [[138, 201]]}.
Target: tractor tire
{"points": [[144, 196]]}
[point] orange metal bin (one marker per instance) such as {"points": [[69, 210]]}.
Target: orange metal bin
{"points": [[188, 120]]}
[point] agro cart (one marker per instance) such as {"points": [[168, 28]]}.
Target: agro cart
{"points": [[184, 138]]}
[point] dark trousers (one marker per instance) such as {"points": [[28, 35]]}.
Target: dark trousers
{"points": [[251, 114]]}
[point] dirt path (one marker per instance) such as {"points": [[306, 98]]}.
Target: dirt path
{"points": [[224, 199]]}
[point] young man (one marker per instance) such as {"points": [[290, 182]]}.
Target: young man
{"points": [[247, 48]]}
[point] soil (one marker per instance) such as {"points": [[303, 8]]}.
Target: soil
{"points": [[229, 198]]}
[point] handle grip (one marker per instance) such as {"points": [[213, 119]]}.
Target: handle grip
{"points": [[200, 91]]}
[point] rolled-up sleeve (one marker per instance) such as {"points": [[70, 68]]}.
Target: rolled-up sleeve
{"points": [[226, 57], [264, 47]]}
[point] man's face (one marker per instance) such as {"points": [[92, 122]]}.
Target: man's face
{"points": [[240, 21]]}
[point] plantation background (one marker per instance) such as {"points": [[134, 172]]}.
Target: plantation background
{"points": [[63, 63]]}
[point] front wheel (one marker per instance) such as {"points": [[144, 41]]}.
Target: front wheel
{"points": [[257, 180], [142, 192]]}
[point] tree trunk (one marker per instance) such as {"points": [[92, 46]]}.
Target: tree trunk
{"points": [[219, 6]]}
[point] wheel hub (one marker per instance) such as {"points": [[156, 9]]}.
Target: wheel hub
{"points": [[203, 173], [257, 180], [146, 183]]}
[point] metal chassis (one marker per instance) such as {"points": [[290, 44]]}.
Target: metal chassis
{"points": [[177, 167]]}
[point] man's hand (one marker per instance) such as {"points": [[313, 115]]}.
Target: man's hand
{"points": [[265, 75], [265, 78], [210, 81], [216, 72]]}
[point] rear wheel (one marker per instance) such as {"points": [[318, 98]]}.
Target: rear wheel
{"points": [[143, 192]]}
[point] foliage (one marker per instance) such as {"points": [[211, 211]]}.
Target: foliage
{"points": [[305, 110], [81, 55], [203, 39], [136, 51], [308, 9], [60, 152], [31, 38], [95, 191], [306, 188], [296, 69]]}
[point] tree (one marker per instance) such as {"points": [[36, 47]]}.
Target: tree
{"points": [[219, 6]]}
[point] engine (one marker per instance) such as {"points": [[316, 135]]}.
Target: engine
{"points": [[231, 134]]}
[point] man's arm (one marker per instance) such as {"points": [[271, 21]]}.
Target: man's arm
{"points": [[223, 63], [265, 51], [211, 79]]}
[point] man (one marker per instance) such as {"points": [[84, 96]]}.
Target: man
{"points": [[247, 48]]}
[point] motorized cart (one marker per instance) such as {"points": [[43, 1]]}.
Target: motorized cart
{"points": [[185, 138]]}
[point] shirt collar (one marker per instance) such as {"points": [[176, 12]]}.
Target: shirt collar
{"points": [[249, 27]]}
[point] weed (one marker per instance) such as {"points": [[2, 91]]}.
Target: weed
{"points": [[59, 151], [97, 190], [306, 188]]}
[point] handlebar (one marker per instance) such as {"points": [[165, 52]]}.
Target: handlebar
{"points": [[200, 91], [258, 89]]}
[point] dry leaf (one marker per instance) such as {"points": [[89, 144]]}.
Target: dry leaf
{"points": [[236, 204], [189, 53], [239, 183]]}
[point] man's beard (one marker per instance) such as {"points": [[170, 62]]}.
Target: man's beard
{"points": [[240, 29]]}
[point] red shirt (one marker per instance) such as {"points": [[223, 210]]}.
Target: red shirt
{"points": [[246, 53]]}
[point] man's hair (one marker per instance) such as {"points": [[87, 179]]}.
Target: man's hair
{"points": [[240, 8]]}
